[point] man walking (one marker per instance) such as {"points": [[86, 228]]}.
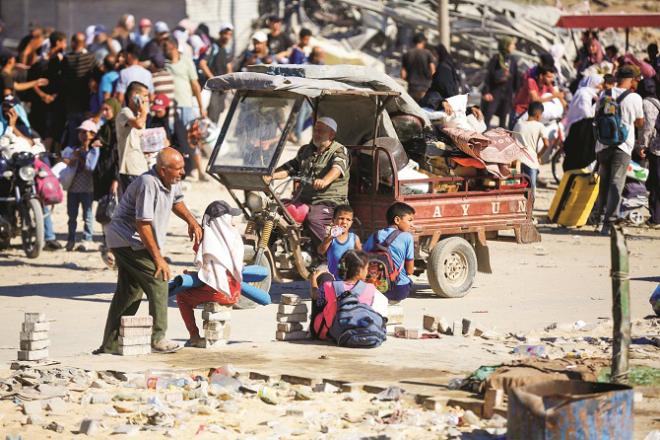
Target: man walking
{"points": [[136, 236], [418, 67], [613, 160], [218, 62]]}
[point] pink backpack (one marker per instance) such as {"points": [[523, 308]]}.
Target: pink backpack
{"points": [[48, 187]]}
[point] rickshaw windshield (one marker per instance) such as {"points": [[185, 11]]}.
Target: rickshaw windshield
{"points": [[254, 132]]}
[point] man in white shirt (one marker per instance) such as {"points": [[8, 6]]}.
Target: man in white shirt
{"points": [[613, 161]]}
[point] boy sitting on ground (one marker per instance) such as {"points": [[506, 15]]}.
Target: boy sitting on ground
{"points": [[400, 217]]}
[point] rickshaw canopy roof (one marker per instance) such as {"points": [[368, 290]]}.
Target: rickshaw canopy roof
{"points": [[603, 21], [315, 81]]}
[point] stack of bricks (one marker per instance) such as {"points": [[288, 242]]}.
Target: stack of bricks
{"points": [[34, 338], [394, 317], [135, 335], [291, 315], [217, 326]]}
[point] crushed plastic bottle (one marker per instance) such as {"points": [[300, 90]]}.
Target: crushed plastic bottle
{"points": [[530, 350]]}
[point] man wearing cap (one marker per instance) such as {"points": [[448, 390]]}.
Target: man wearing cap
{"points": [[133, 72], [613, 160], [153, 51], [136, 235], [324, 163], [218, 61], [258, 54]]}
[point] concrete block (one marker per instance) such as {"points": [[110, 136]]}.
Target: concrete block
{"points": [[395, 314], [289, 327], [56, 406], [99, 398], [35, 317], [32, 408], [287, 309], [435, 403], [134, 331], [135, 340], [300, 380], [465, 326], [325, 387], [298, 317], [457, 328], [222, 316], [430, 323], [215, 325], [35, 345], [137, 321], [443, 326], [34, 336], [89, 427], [492, 398], [413, 333], [128, 430], [214, 307], [399, 331], [289, 299], [134, 350], [33, 355], [215, 343], [468, 404], [35, 419], [352, 387], [36, 327], [291, 336], [222, 332], [478, 330]]}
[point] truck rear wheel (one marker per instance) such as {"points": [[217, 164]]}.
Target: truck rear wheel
{"points": [[451, 267]]}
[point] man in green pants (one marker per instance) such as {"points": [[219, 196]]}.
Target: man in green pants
{"points": [[136, 237]]}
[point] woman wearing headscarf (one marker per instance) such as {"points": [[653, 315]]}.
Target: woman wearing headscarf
{"points": [[580, 143], [501, 82], [105, 173]]}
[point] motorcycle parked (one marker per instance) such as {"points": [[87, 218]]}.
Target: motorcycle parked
{"points": [[20, 209]]}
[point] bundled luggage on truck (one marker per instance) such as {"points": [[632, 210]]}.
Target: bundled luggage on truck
{"points": [[396, 155]]}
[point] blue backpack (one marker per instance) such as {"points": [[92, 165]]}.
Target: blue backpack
{"points": [[608, 126], [356, 325]]}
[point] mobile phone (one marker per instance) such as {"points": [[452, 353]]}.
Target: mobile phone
{"points": [[137, 99]]}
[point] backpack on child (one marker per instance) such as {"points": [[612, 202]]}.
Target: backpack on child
{"points": [[383, 273], [609, 128], [349, 322]]}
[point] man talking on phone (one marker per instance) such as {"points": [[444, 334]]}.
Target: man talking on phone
{"points": [[131, 121]]}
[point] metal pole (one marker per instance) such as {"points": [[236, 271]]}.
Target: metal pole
{"points": [[443, 23], [620, 306], [627, 38]]}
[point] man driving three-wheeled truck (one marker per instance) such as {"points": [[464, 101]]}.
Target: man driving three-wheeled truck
{"points": [[382, 130]]}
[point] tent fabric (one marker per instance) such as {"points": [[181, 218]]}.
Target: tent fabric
{"points": [[312, 80]]}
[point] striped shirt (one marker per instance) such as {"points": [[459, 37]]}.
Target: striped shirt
{"points": [[76, 70], [164, 83]]}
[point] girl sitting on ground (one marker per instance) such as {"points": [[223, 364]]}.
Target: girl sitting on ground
{"points": [[353, 270]]}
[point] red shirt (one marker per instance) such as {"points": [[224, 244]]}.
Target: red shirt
{"points": [[522, 99]]}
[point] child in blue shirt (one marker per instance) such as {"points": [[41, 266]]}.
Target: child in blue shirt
{"points": [[400, 217], [339, 239]]}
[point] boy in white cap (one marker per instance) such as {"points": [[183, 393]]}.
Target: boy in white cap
{"points": [[324, 163]]}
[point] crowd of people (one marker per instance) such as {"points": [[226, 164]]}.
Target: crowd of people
{"points": [[97, 92], [121, 110], [547, 110]]}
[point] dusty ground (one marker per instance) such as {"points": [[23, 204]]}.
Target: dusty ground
{"points": [[563, 279]]}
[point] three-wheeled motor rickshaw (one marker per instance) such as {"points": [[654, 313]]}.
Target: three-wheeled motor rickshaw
{"points": [[454, 216]]}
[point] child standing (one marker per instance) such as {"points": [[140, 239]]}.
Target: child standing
{"points": [[530, 134], [81, 191], [400, 217]]}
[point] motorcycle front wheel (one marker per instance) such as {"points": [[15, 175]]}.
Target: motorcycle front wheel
{"points": [[32, 227]]}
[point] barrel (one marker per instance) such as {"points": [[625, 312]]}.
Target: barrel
{"points": [[570, 410]]}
